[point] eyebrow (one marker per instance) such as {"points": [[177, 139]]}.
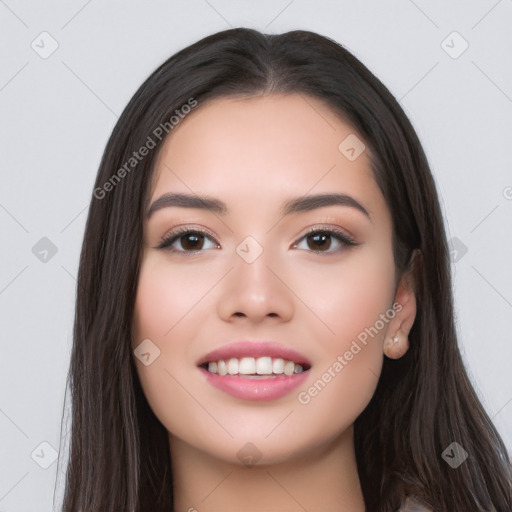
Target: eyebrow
{"points": [[295, 205]]}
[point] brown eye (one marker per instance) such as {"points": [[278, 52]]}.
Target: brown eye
{"points": [[320, 241], [190, 241]]}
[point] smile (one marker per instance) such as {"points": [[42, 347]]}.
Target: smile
{"points": [[257, 379], [254, 367]]}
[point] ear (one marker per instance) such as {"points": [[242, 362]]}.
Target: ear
{"points": [[396, 343]]}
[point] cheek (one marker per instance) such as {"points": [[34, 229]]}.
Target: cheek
{"points": [[355, 305], [348, 297], [162, 300], [165, 296], [171, 310]]}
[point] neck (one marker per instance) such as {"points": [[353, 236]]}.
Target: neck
{"points": [[323, 480]]}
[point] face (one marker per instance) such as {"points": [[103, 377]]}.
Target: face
{"points": [[319, 281]]}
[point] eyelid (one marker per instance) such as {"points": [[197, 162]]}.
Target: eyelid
{"points": [[183, 228], [328, 227]]}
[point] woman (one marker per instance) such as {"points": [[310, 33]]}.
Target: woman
{"points": [[264, 315]]}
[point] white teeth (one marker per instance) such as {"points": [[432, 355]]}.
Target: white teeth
{"points": [[233, 366], [278, 365], [289, 368], [247, 366], [252, 367], [221, 368], [264, 366]]}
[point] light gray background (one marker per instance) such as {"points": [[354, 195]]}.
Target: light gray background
{"points": [[57, 113]]}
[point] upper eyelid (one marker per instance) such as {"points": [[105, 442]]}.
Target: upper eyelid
{"points": [[185, 228]]}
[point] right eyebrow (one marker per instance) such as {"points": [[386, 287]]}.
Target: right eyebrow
{"points": [[188, 201]]}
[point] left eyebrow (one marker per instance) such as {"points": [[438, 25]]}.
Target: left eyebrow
{"points": [[312, 202], [295, 205]]}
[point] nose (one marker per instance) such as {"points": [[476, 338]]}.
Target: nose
{"points": [[256, 290]]}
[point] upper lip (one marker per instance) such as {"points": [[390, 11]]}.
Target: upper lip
{"points": [[254, 349]]}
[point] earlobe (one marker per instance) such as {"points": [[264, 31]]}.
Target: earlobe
{"points": [[396, 343], [396, 346]]}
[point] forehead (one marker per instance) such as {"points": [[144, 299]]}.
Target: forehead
{"points": [[245, 150]]}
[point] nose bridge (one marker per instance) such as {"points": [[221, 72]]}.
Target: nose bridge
{"points": [[255, 285], [253, 268]]}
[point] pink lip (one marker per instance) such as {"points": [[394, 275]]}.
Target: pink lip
{"points": [[254, 349], [255, 389]]}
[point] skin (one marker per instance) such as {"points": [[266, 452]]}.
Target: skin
{"points": [[254, 154]]}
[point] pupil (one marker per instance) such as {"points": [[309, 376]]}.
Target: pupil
{"points": [[323, 236], [193, 245]]}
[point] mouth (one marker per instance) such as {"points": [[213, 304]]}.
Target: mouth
{"points": [[255, 370], [265, 367]]}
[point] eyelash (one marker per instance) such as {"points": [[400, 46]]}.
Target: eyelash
{"points": [[178, 233]]}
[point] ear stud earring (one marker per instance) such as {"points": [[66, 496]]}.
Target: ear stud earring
{"points": [[395, 339]]}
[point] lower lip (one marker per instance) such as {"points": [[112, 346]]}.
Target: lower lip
{"points": [[255, 389]]}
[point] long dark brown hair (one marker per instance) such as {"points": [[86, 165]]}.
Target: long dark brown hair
{"points": [[119, 457]]}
